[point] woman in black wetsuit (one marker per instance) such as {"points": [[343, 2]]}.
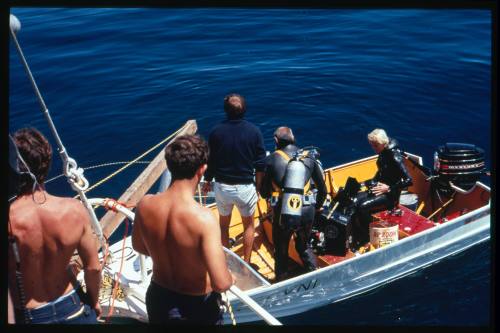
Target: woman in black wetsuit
{"points": [[385, 188]]}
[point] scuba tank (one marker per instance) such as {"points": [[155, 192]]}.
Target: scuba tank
{"points": [[293, 191]]}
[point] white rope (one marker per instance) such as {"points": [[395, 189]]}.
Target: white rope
{"points": [[100, 166], [105, 179], [228, 307]]}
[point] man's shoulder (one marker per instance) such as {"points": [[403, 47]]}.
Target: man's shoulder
{"points": [[276, 156], [268, 160], [217, 126], [66, 211], [148, 202], [251, 126], [70, 207], [218, 129], [393, 153], [199, 215], [204, 213], [57, 205], [68, 201]]}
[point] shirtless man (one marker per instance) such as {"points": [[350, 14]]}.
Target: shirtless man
{"points": [[183, 239], [47, 230]]}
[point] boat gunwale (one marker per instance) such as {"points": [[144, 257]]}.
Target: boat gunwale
{"points": [[263, 290], [374, 156], [339, 265], [423, 233], [365, 159]]}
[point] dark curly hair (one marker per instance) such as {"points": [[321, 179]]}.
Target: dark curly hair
{"points": [[185, 155], [235, 106], [37, 153]]}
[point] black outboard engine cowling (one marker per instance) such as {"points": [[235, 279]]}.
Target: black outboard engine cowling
{"points": [[459, 163]]}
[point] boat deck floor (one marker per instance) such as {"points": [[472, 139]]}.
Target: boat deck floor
{"points": [[263, 250]]}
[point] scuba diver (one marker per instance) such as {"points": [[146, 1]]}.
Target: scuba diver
{"points": [[385, 188], [287, 182]]}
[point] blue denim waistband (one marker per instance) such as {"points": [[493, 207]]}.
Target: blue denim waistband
{"points": [[62, 306]]}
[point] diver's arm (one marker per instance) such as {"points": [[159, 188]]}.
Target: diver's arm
{"points": [[373, 181], [259, 175], [265, 187], [266, 182], [260, 160], [405, 180], [318, 178]]}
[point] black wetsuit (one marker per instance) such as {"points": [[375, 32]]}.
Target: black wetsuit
{"points": [[275, 171], [391, 171]]}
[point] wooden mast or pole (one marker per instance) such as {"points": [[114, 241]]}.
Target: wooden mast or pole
{"points": [[111, 220]]}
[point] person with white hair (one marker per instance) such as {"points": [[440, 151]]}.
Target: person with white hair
{"points": [[385, 188]]}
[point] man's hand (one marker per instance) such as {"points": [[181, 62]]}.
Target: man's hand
{"points": [[380, 189], [98, 310], [269, 208], [233, 277], [207, 187], [317, 214]]}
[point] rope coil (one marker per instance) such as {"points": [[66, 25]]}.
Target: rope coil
{"points": [[112, 204], [114, 294]]}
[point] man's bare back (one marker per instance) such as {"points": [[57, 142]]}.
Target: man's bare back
{"points": [[183, 239], [47, 235], [46, 231]]}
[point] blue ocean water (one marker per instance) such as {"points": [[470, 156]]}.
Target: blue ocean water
{"points": [[119, 80]]}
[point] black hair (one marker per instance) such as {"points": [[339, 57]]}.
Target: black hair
{"points": [[36, 151], [185, 155]]}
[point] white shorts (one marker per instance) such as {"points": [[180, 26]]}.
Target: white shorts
{"points": [[244, 196]]}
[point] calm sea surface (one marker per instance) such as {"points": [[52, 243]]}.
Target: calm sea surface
{"points": [[118, 81]]}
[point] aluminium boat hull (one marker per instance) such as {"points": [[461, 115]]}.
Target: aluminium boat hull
{"points": [[368, 271], [324, 286]]}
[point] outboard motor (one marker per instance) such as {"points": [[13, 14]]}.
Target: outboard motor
{"points": [[332, 231], [459, 163], [293, 193]]}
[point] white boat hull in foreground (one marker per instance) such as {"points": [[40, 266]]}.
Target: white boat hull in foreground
{"points": [[324, 286]]}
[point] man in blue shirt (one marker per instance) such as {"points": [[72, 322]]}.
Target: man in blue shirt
{"points": [[236, 151]]}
